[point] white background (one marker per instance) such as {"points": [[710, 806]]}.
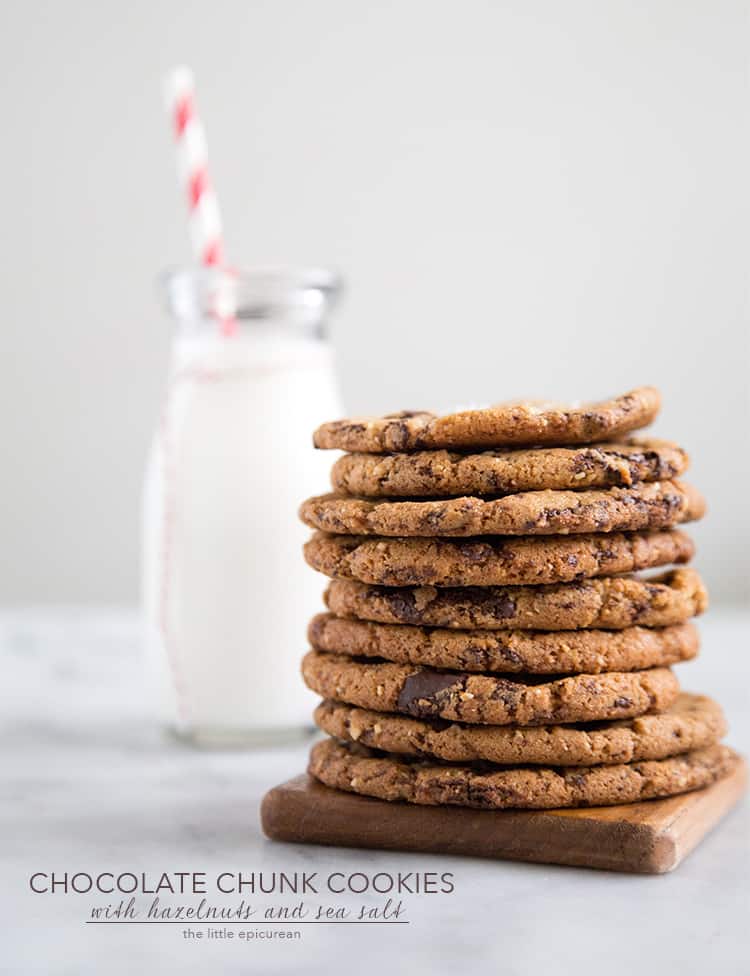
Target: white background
{"points": [[526, 198]]}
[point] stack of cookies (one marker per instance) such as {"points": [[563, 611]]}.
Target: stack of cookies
{"points": [[486, 642]]}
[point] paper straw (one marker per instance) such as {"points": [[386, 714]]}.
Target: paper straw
{"points": [[206, 232]]}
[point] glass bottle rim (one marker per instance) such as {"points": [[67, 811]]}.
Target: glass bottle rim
{"points": [[299, 296]]}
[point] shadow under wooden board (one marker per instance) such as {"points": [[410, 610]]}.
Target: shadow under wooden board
{"points": [[646, 838]]}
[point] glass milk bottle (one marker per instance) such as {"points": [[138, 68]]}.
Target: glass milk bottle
{"points": [[226, 591]]}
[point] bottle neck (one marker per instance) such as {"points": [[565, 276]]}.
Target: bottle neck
{"points": [[284, 299]]}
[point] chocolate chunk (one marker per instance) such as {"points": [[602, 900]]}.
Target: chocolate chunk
{"points": [[508, 693], [420, 692], [513, 657], [475, 552], [398, 436], [402, 605], [583, 461]]}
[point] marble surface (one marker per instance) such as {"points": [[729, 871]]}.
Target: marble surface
{"points": [[90, 785]]}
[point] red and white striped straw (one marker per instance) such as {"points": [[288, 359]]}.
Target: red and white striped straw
{"points": [[206, 233]]}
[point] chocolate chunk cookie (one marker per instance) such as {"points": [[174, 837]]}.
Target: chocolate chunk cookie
{"points": [[521, 422], [356, 769], [488, 699], [611, 602], [654, 505], [493, 561], [434, 474], [693, 722], [507, 651]]}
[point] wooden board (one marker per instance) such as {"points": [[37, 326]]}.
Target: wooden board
{"points": [[647, 838]]}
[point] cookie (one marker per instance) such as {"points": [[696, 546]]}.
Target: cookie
{"points": [[357, 769], [517, 422], [507, 651], [444, 473], [493, 561], [488, 699], [652, 505], [611, 602], [693, 722]]}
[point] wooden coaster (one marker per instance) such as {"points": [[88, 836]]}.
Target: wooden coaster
{"points": [[647, 838]]}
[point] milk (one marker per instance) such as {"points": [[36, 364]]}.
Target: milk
{"points": [[227, 593]]}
